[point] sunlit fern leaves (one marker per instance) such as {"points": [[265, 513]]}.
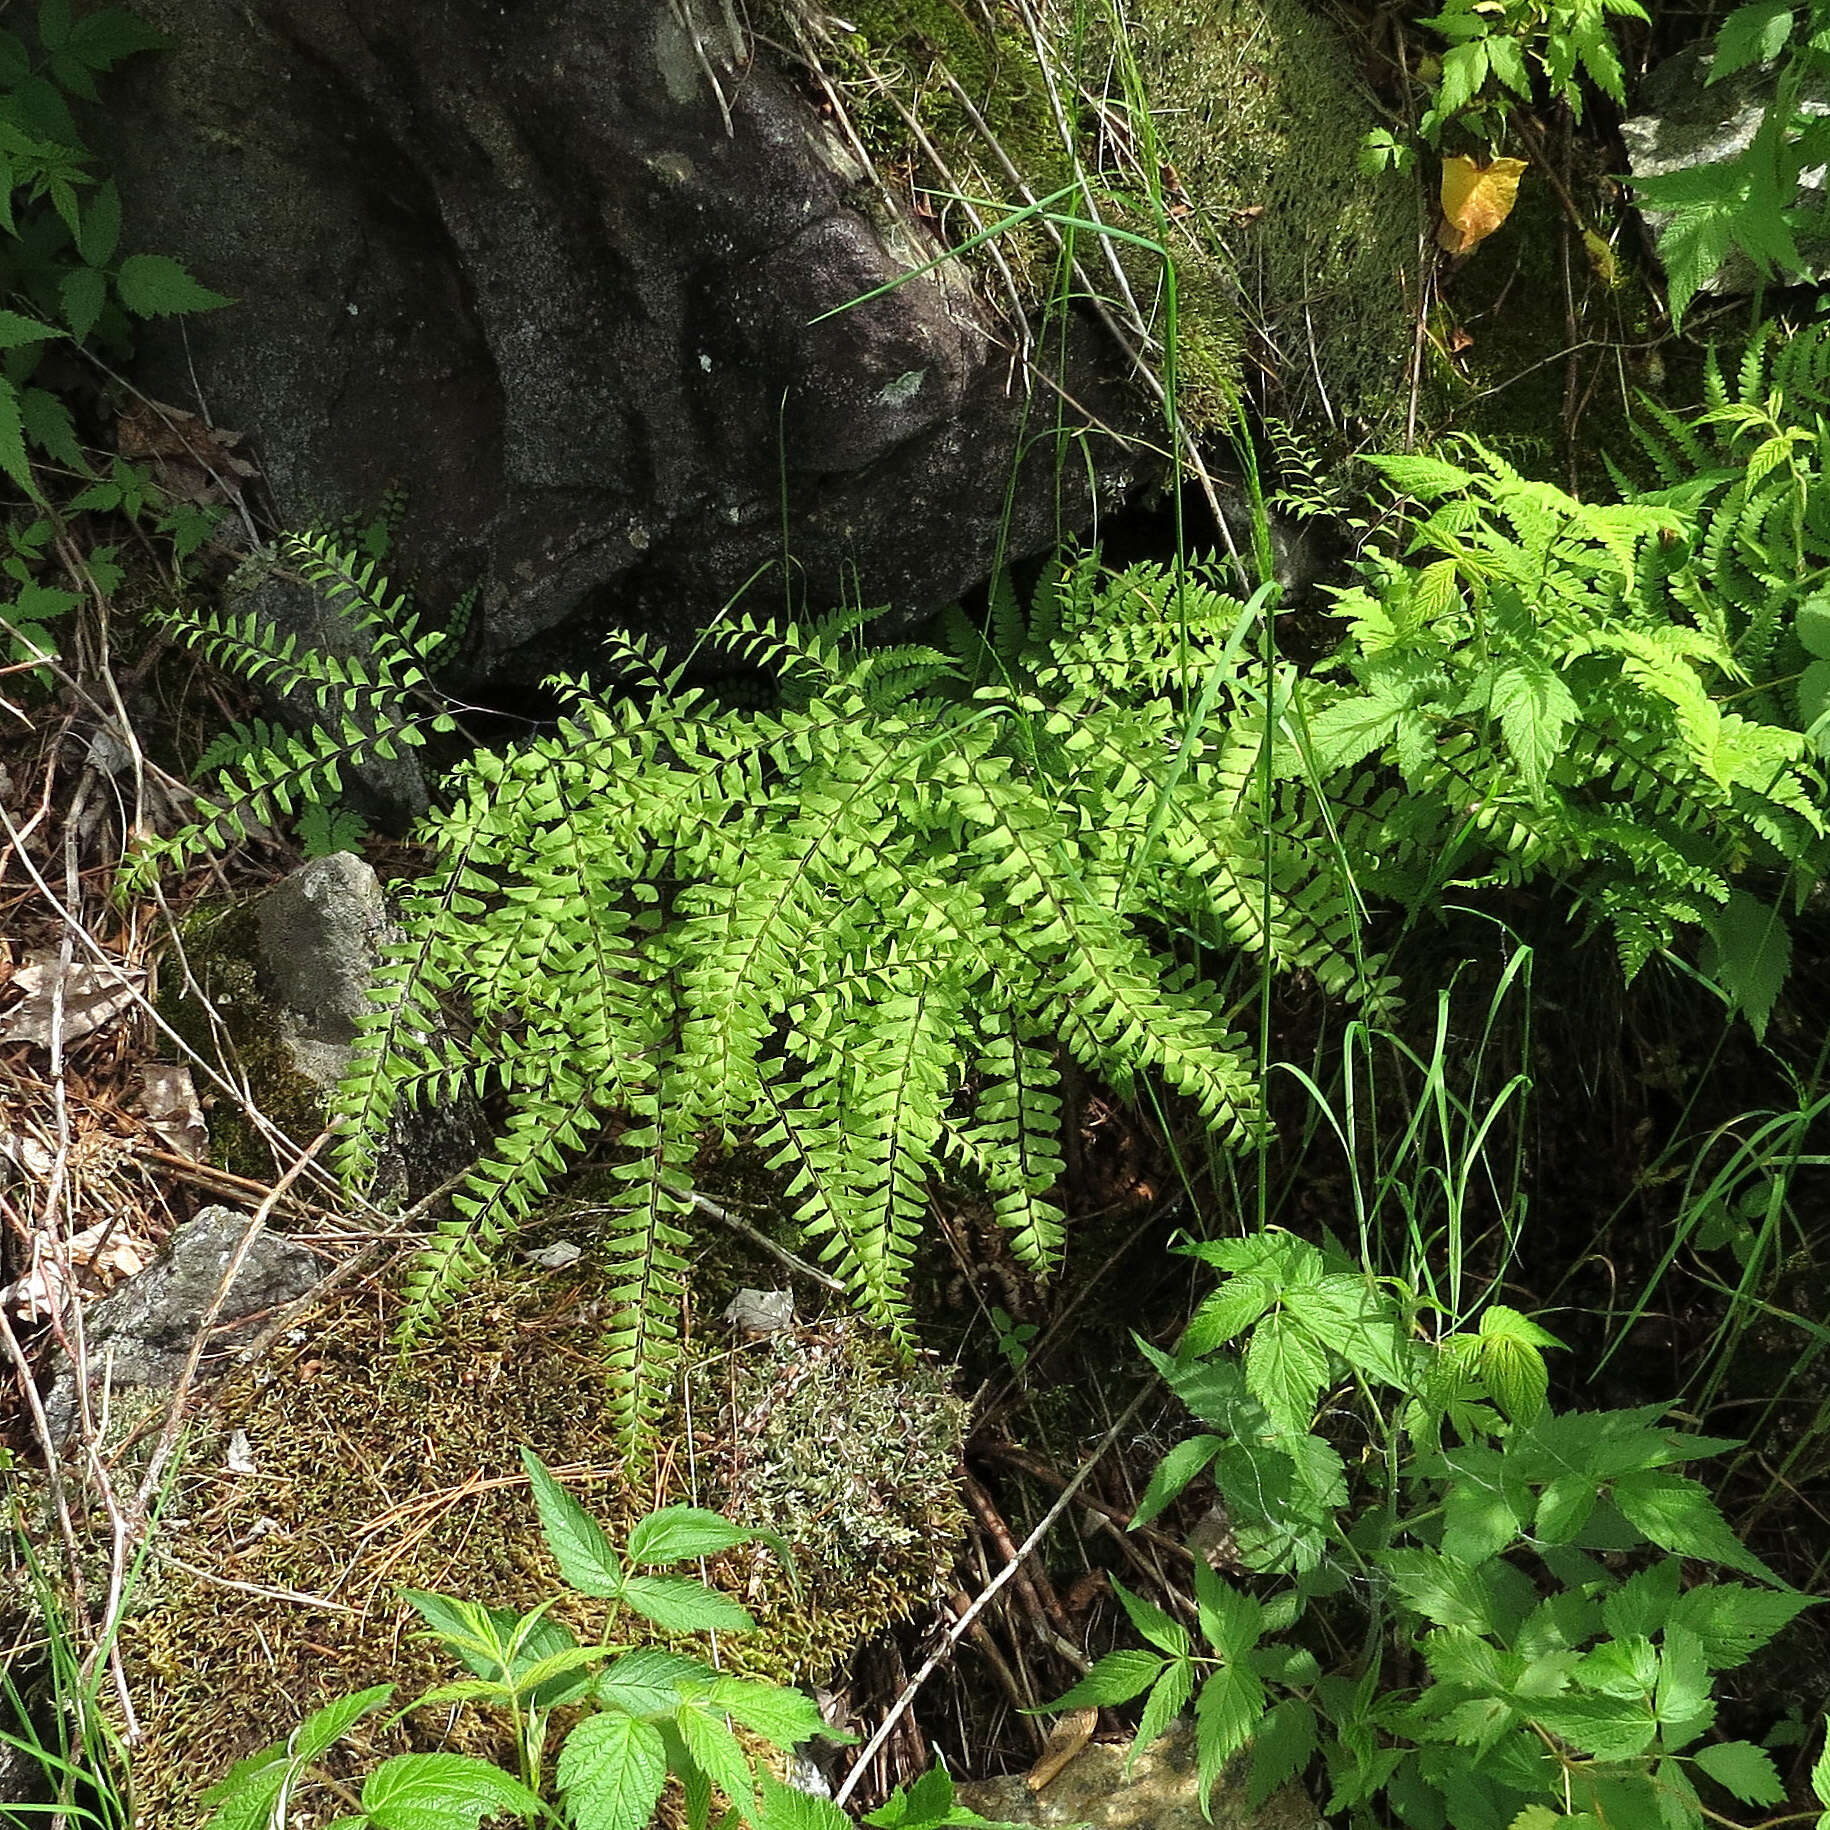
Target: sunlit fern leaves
{"points": [[858, 927]]}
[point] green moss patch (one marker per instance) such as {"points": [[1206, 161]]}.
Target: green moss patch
{"points": [[274, 1591]]}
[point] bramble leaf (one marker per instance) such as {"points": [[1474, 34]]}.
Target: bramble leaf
{"points": [[611, 1770], [1746, 1770], [443, 1792]]}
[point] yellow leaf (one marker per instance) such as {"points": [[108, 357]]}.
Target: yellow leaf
{"points": [[1476, 199]]}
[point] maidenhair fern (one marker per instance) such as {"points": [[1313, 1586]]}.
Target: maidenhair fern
{"points": [[369, 705], [857, 928], [853, 928], [861, 929]]}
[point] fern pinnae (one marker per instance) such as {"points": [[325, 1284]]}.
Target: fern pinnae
{"points": [[644, 1245]]}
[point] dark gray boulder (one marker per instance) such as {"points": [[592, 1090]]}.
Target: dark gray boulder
{"points": [[141, 1334], [563, 270]]}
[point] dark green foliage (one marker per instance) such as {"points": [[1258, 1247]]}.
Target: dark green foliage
{"points": [[1749, 205], [1484, 1619], [60, 226]]}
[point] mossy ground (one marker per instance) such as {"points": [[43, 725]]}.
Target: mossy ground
{"points": [[373, 1471], [1291, 264]]}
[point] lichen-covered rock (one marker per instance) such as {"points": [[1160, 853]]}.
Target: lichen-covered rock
{"points": [[584, 279], [321, 931], [141, 1333], [1161, 1792], [850, 1454]]}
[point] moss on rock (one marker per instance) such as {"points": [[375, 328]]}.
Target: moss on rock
{"points": [[276, 1589], [221, 948], [1288, 257]]}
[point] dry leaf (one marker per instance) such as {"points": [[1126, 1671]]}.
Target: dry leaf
{"points": [[107, 1250], [1065, 1739], [190, 459], [1476, 199], [92, 996], [168, 1104], [30, 1156]]}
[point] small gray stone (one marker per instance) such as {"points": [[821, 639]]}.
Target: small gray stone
{"points": [[141, 1333], [760, 1311], [321, 931]]}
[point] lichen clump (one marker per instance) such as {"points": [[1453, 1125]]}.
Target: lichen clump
{"points": [[854, 1458]]}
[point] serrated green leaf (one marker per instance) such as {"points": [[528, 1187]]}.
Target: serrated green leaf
{"points": [[1753, 955], [1677, 1514], [16, 332], [1536, 710], [1283, 1745], [1537, 1817], [1682, 1699], [105, 38], [1746, 1770], [584, 1554], [1733, 1621], [1228, 1311], [1449, 1593], [1478, 1520], [1608, 1728], [650, 1682], [782, 1717], [1285, 1371], [677, 1604], [1813, 625], [46, 421], [611, 1770], [54, 24], [1751, 35], [156, 286], [324, 1728], [1228, 1709], [1172, 1475], [13, 459], [1116, 1678], [1168, 1698], [1425, 478], [1231, 1620], [1515, 1375], [788, 1808], [720, 1757], [443, 1792], [677, 1534], [101, 228], [1152, 1623]]}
